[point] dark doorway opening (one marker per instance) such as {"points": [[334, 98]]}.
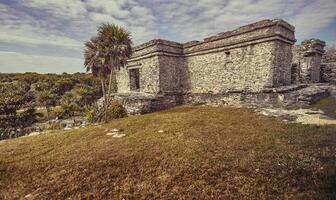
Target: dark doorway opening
{"points": [[295, 73], [134, 79]]}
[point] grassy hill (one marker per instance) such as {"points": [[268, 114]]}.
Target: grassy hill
{"points": [[203, 153]]}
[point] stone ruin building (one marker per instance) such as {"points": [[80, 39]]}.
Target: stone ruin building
{"points": [[253, 65]]}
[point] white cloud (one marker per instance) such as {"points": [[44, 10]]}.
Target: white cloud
{"points": [[28, 37], [67, 23], [104, 18], [11, 62], [3, 8], [185, 20], [313, 17], [20, 28], [190, 20], [60, 8], [113, 8]]}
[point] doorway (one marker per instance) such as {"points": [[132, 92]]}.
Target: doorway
{"points": [[134, 79]]}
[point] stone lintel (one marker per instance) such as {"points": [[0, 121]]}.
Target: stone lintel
{"points": [[133, 66], [314, 41], [313, 46]]}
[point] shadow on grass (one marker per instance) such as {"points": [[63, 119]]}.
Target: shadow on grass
{"points": [[327, 105], [328, 179]]}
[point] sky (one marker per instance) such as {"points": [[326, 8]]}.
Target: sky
{"points": [[47, 36]]}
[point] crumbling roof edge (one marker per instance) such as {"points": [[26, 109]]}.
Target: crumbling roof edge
{"points": [[222, 35]]}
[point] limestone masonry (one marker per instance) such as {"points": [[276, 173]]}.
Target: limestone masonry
{"points": [[248, 65]]}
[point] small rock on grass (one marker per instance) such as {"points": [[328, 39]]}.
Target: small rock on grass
{"points": [[34, 133], [119, 135], [116, 133], [160, 131], [116, 130]]}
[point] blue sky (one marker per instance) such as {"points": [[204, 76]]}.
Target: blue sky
{"points": [[47, 35]]}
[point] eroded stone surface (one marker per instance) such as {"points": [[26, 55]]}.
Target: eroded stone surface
{"points": [[307, 61], [304, 116], [328, 68]]}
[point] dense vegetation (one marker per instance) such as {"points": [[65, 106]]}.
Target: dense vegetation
{"points": [[202, 153], [16, 111], [65, 95], [62, 95]]}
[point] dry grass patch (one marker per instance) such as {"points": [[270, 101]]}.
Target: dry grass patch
{"points": [[203, 153]]}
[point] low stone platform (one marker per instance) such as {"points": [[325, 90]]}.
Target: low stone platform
{"points": [[293, 95], [140, 103]]}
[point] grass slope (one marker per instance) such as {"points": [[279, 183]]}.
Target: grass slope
{"points": [[204, 153], [327, 105]]}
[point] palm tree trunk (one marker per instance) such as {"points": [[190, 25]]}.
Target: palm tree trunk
{"points": [[105, 97], [48, 113], [103, 87], [108, 94]]}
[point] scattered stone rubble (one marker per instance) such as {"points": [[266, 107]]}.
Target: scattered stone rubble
{"points": [[44, 127], [304, 116]]}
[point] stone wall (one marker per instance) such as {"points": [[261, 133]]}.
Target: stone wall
{"points": [[299, 95], [149, 75], [249, 58], [139, 103], [282, 64], [328, 68], [171, 73], [244, 68], [307, 61]]}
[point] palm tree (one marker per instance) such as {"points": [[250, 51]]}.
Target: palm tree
{"points": [[107, 52], [93, 61]]}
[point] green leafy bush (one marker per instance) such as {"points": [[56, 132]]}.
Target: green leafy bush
{"points": [[90, 116], [94, 114], [97, 114], [53, 126], [57, 111], [69, 104], [116, 110]]}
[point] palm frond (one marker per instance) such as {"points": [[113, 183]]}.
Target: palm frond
{"points": [[108, 51]]}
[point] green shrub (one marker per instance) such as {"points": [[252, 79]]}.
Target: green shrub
{"points": [[53, 126], [90, 116], [94, 114], [57, 111], [116, 110]]}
